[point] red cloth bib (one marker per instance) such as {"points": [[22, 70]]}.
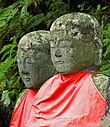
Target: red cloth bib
{"points": [[68, 101], [22, 112]]}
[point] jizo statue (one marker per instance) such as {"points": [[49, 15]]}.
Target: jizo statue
{"points": [[35, 68], [76, 46], [34, 60]]}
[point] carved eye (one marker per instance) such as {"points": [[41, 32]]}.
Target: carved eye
{"points": [[30, 52]]}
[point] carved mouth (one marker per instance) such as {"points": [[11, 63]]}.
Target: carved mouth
{"points": [[30, 84], [59, 62], [27, 79]]}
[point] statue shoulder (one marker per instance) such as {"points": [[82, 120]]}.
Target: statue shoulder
{"points": [[101, 81], [105, 121], [21, 95]]}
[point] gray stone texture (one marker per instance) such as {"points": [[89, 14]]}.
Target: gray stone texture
{"points": [[34, 59]]}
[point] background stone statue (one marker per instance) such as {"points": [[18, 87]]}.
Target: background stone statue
{"points": [[33, 56], [35, 68], [77, 46], [34, 62]]}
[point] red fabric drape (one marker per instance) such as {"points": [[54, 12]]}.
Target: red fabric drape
{"points": [[68, 101], [22, 112]]}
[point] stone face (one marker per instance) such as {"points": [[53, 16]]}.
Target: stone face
{"points": [[76, 43], [34, 60]]}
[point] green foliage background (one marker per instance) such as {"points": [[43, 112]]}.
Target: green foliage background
{"points": [[19, 17]]}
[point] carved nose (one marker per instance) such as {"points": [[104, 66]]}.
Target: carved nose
{"points": [[58, 53]]}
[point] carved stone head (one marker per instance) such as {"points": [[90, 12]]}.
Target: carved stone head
{"points": [[34, 59], [76, 43]]}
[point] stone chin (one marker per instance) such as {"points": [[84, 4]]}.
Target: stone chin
{"points": [[28, 85], [32, 87], [64, 72]]}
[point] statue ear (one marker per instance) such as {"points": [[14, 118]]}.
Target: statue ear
{"points": [[97, 54], [96, 64]]}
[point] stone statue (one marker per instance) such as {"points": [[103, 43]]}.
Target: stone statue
{"points": [[34, 62], [35, 68], [76, 46]]}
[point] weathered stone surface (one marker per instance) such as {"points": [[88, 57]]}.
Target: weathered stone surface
{"points": [[77, 40], [101, 82], [34, 60]]}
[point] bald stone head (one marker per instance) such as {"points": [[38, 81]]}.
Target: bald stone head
{"points": [[76, 43], [34, 60]]}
